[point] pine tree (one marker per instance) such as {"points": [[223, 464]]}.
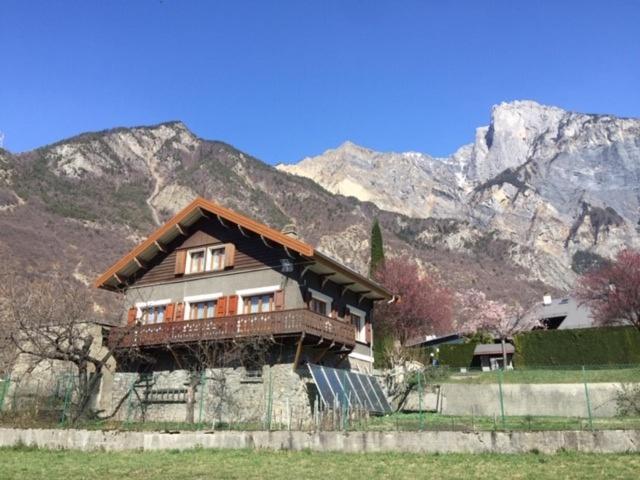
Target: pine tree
{"points": [[377, 248]]}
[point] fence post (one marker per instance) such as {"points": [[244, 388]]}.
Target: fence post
{"points": [[420, 401], [67, 399], [504, 426], [269, 403], [586, 394], [5, 388]]}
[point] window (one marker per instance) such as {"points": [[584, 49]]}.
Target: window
{"points": [[152, 314], [198, 307], [209, 259], [216, 258], [201, 310], [318, 306], [258, 303], [320, 303], [357, 318], [196, 261]]}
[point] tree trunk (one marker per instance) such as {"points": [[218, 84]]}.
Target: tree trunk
{"points": [[504, 353], [191, 397]]}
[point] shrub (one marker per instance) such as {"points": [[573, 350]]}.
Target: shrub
{"points": [[584, 346], [628, 400], [457, 355]]}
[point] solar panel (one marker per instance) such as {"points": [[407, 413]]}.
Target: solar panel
{"points": [[323, 386], [339, 388]]}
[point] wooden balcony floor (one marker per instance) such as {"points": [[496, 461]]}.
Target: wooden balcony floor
{"points": [[268, 324]]}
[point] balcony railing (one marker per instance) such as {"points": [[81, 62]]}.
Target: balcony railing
{"points": [[285, 322]]}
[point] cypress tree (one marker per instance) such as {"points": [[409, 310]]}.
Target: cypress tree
{"points": [[377, 248]]}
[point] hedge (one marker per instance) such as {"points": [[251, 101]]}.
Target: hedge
{"points": [[457, 355], [584, 346]]}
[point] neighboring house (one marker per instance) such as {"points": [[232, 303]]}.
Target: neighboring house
{"points": [[489, 356], [435, 340], [212, 275], [562, 313]]}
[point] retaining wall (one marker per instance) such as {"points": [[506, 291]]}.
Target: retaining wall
{"points": [[563, 400], [606, 441]]}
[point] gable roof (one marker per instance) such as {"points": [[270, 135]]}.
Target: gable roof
{"points": [[134, 261]]}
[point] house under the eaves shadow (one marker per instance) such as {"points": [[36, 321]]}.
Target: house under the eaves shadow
{"points": [[215, 295]]}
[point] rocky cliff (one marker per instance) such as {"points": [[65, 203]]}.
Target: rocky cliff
{"points": [[562, 188]]}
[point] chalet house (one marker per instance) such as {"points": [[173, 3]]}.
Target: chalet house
{"points": [[212, 276]]}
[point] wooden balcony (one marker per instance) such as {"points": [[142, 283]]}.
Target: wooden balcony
{"points": [[274, 324]]}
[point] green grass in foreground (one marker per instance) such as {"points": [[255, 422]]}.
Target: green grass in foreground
{"points": [[550, 375], [24, 464]]}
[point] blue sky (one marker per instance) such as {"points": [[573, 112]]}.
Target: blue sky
{"points": [[282, 80]]}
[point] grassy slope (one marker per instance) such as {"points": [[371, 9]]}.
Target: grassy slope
{"points": [[242, 464]]}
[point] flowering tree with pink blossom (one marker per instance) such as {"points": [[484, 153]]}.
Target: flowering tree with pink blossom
{"points": [[476, 313], [424, 306]]}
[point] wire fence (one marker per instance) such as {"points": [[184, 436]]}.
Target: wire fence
{"points": [[440, 399]]}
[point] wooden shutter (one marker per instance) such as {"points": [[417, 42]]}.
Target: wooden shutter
{"points": [[232, 305], [168, 313], [131, 315], [368, 333], [221, 307], [229, 255], [181, 262], [179, 312], [278, 300]]}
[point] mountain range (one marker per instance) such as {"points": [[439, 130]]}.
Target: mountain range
{"points": [[562, 188], [540, 195]]}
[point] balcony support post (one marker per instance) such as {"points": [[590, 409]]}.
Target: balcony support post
{"points": [[296, 360]]}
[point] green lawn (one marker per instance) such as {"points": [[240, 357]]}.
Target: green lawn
{"points": [[23, 464], [433, 421], [548, 375]]}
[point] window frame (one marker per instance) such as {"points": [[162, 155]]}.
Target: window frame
{"points": [[321, 297], [252, 292], [361, 332], [188, 301], [140, 306], [207, 263], [190, 252], [209, 258]]}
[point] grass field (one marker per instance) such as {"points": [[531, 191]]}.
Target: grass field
{"points": [[551, 375], [433, 421], [25, 463]]}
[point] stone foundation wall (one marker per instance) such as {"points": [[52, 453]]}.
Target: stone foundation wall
{"points": [[220, 395]]}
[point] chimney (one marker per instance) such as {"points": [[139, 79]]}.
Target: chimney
{"points": [[290, 230], [546, 299]]}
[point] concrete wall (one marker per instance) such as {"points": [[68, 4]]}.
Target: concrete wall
{"points": [[566, 400], [608, 441]]}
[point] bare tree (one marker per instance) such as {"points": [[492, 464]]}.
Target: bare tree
{"points": [[48, 319]]}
